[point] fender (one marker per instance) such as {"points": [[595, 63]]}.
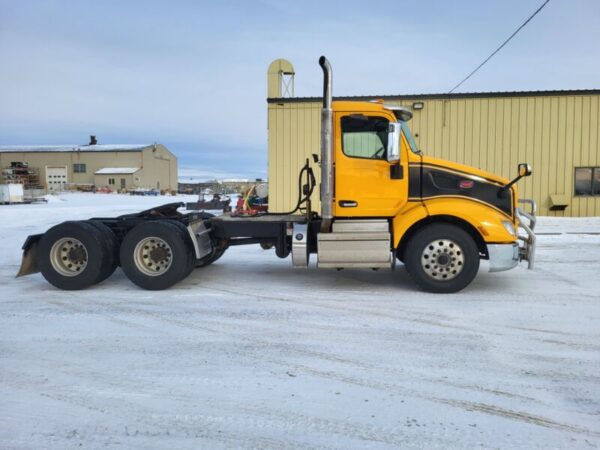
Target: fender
{"points": [[412, 213], [486, 220]]}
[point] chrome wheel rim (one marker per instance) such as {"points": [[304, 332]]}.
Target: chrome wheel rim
{"points": [[443, 259], [153, 256], [68, 257]]}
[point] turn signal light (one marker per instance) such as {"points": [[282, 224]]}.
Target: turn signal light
{"points": [[466, 184]]}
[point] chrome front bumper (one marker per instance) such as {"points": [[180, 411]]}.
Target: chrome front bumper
{"points": [[527, 224], [506, 256], [503, 256]]}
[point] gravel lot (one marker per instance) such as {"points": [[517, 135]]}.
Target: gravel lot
{"points": [[252, 353]]}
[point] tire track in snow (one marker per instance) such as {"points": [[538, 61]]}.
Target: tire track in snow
{"points": [[211, 425], [465, 405], [346, 308], [82, 310], [204, 426], [462, 404], [469, 406]]}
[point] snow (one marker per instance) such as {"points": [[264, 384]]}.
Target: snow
{"points": [[116, 170], [236, 180], [251, 353], [72, 148]]}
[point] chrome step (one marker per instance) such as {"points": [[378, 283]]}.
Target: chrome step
{"points": [[355, 244]]}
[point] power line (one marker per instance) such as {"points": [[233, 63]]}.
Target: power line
{"points": [[499, 48]]}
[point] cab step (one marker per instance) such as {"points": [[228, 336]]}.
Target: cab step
{"points": [[355, 244]]}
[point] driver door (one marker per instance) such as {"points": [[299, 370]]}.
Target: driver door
{"points": [[366, 184]]}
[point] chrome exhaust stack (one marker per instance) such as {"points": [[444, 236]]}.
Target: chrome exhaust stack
{"points": [[326, 148]]}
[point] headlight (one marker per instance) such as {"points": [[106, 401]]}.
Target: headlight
{"points": [[508, 226]]}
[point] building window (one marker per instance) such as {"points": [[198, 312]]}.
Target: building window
{"points": [[111, 181], [364, 136], [79, 168], [587, 181]]}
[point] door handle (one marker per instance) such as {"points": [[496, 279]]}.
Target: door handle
{"points": [[348, 203]]}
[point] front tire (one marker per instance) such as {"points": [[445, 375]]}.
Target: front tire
{"points": [[156, 255], [442, 258]]}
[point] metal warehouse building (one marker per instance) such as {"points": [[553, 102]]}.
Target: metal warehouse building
{"points": [[114, 166], [557, 132]]}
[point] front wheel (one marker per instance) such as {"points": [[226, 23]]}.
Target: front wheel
{"points": [[442, 258]]}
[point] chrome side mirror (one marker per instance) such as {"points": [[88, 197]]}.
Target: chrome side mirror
{"points": [[393, 144], [524, 170]]}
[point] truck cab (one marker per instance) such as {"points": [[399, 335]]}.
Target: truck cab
{"points": [[439, 218]]}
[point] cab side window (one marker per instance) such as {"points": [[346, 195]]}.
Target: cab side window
{"points": [[365, 136]]}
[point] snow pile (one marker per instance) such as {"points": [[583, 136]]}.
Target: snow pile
{"points": [[51, 198]]}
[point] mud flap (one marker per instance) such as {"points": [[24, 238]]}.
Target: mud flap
{"points": [[200, 236], [28, 261]]}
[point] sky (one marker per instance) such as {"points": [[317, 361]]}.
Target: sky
{"points": [[192, 74]]}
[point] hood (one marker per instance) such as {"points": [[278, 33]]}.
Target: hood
{"points": [[464, 168], [438, 178]]}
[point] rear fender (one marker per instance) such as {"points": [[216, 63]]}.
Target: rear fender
{"points": [[29, 259]]}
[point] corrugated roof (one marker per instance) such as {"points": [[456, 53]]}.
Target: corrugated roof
{"points": [[73, 148], [116, 171], [441, 96]]}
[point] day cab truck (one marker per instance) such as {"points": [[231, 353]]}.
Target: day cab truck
{"points": [[381, 200]]}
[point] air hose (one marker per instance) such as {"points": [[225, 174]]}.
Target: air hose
{"points": [[304, 192]]}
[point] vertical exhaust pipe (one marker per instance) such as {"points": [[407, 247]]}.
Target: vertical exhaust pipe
{"points": [[326, 148]]}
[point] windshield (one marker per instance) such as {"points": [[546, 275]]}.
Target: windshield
{"points": [[409, 137]]}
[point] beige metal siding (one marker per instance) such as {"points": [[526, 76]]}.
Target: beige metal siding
{"points": [[93, 160], [294, 135], [554, 133], [104, 180], [158, 165], [159, 168]]}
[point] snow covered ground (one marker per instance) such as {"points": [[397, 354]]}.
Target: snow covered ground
{"points": [[252, 353]]}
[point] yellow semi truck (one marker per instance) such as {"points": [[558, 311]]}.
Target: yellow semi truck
{"points": [[381, 199]]}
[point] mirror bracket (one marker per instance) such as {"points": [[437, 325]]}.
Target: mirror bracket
{"points": [[524, 171]]}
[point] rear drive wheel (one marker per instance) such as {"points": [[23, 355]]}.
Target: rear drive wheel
{"points": [[155, 255], [442, 258], [183, 231], [72, 255], [111, 250]]}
